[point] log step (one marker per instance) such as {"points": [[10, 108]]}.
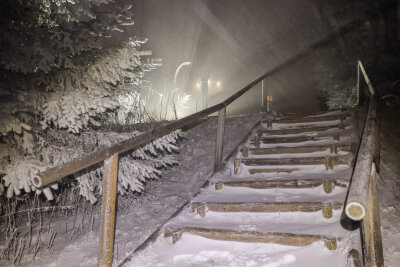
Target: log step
{"points": [[341, 117], [329, 163], [298, 149], [346, 112], [288, 183], [303, 130], [200, 207], [297, 139], [294, 161], [272, 170], [289, 239]]}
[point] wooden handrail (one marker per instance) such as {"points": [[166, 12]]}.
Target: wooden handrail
{"points": [[357, 199], [362, 203]]}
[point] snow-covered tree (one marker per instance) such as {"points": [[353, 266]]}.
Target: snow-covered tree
{"points": [[60, 81]]}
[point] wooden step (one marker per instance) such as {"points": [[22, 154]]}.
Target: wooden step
{"points": [[289, 239], [329, 163], [343, 111], [298, 149], [294, 161], [287, 183], [303, 130], [296, 139], [272, 170], [341, 117], [263, 206]]}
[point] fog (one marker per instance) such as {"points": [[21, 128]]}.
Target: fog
{"points": [[232, 42]]}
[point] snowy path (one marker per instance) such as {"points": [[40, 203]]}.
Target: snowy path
{"points": [[241, 226]]}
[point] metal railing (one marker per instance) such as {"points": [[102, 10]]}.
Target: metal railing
{"points": [[362, 201]]}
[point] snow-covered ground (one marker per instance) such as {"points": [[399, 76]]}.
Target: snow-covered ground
{"points": [[138, 218]]}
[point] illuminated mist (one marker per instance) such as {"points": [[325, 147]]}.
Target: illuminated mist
{"points": [[232, 42]]}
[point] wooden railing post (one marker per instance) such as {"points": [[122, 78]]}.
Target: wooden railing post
{"points": [[108, 207], [360, 85], [219, 146], [371, 226], [264, 96]]}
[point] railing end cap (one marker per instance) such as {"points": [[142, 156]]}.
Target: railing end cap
{"points": [[37, 181], [355, 211]]}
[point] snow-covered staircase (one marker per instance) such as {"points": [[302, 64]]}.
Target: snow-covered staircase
{"points": [[279, 204]]}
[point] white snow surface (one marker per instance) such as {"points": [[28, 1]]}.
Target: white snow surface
{"points": [[199, 251], [138, 218]]}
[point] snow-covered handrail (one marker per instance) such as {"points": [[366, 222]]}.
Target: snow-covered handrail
{"points": [[357, 199], [362, 202]]}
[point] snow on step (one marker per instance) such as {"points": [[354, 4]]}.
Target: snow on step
{"points": [[295, 222], [337, 117], [296, 125], [195, 250], [288, 239], [241, 194], [294, 161], [310, 223], [327, 183], [308, 140], [298, 140], [318, 114], [301, 130], [325, 207], [297, 151], [289, 165]]}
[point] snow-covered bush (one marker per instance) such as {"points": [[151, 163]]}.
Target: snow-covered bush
{"points": [[134, 169]]}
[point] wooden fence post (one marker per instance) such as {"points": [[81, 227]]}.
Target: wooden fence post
{"points": [[358, 84], [220, 138], [108, 207], [371, 226], [264, 95]]}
